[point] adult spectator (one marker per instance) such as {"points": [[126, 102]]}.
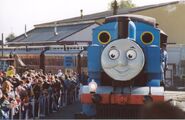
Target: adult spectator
{"points": [[60, 73], [6, 87], [164, 61]]}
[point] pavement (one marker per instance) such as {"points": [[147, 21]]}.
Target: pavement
{"points": [[177, 98], [175, 94], [66, 112]]}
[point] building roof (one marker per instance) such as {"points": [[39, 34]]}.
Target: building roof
{"points": [[50, 35], [104, 14]]}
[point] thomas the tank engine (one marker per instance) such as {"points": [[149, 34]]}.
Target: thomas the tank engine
{"points": [[124, 66]]}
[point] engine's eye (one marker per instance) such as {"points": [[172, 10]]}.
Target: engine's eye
{"points": [[114, 54], [131, 54], [104, 37]]}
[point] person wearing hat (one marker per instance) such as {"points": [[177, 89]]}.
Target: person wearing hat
{"points": [[164, 61], [10, 72]]}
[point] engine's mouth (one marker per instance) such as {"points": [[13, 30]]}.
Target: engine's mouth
{"points": [[121, 70]]}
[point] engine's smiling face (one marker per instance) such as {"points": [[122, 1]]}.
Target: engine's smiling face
{"points": [[122, 59]]}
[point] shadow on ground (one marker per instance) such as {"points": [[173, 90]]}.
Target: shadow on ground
{"points": [[66, 112]]}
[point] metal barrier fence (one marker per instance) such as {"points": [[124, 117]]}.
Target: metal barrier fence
{"points": [[43, 106]]}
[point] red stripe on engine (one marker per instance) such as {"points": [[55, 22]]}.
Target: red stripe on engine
{"points": [[120, 99]]}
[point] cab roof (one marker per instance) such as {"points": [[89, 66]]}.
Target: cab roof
{"points": [[140, 18]]}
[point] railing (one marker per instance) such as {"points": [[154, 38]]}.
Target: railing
{"points": [[43, 106]]}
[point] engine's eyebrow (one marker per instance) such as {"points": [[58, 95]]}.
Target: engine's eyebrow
{"points": [[133, 47]]}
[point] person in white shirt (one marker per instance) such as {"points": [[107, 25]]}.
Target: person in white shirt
{"points": [[164, 61], [59, 74]]}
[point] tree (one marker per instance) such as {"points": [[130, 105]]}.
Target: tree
{"points": [[10, 37], [126, 4], [122, 4]]}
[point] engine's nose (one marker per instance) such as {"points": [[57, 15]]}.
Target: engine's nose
{"points": [[122, 59]]}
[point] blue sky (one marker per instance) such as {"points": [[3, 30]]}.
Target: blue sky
{"points": [[14, 14]]}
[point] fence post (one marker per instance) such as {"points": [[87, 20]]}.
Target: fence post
{"points": [[48, 103], [39, 107], [60, 99], [26, 115], [20, 112], [63, 97], [44, 106], [12, 113], [66, 97], [33, 107], [76, 93]]}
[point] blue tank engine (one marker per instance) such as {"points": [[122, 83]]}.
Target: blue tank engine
{"points": [[124, 65]]}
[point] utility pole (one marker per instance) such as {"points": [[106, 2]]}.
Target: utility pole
{"points": [[25, 31], [81, 13], [2, 44], [115, 8], [55, 29]]}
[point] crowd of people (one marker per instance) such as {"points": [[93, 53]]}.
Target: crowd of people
{"points": [[35, 94]]}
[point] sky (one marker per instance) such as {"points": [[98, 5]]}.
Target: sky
{"points": [[15, 14]]}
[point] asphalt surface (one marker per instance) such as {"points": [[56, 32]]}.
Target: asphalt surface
{"points": [[177, 98], [66, 112]]}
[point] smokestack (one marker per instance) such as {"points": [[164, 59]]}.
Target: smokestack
{"points": [[55, 29], [123, 27], [115, 8], [81, 13], [25, 30]]}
